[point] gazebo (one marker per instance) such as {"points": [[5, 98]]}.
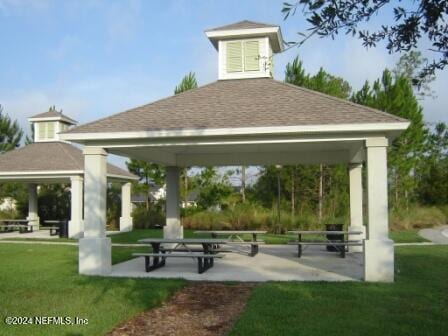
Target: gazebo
{"points": [[244, 118], [51, 160]]}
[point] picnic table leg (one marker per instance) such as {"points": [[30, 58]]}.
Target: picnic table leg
{"points": [[156, 249], [300, 246], [343, 251]]}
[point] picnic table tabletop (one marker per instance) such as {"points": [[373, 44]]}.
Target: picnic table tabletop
{"points": [[53, 221], [182, 241], [326, 232], [231, 231]]}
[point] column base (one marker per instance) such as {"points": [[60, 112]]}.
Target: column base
{"points": [[361, 236], [173, 231], [379, 260], [35, 222], [76, 229], [95, 256], [125, 224]]}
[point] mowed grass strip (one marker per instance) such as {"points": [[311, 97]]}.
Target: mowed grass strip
{"points": [[43, 280], [416, 304]]}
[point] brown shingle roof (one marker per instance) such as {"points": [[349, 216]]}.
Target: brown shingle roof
{"points": [[260, 102], [49, 156], [54, 114], [246, 24]]}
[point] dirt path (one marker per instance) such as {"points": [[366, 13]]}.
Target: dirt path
{"points": [[201, 309]]}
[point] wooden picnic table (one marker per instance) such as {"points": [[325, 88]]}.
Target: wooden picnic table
{"points": [[10, 224], [205, 257], [235, 237], [338, 245]]}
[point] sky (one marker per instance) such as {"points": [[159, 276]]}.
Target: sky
{"points": [[94, 58]]}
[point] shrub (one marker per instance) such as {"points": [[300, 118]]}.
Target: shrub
{"points": [[417, 218], [146, 219]]}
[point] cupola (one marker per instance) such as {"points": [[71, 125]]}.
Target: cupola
{"points": [[246, 49], [47, 126]]}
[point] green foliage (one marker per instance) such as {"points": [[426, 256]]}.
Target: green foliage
{"points": [[10, 133], [213, 188], [421, 19], [396, 96], [409, 66], [322, 81], [417, 218], [188, 82], [54, 202], [113, 211], [148, 218]]}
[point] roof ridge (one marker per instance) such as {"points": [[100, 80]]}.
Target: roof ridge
{"points": [[73, 130], [346, 101]]}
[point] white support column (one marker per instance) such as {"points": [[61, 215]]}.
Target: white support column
{"points": [[378, 248], [33, 216], [173, 228], [356, 216], [76, 224], [95, 248], [126, 219]]}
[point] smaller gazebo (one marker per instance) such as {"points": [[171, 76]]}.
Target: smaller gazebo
{"points": [[51, 160]]}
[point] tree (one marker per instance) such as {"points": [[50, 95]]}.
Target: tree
{"points": [[188, 83], [10, 133], [213, 188], [417, 20], [409, 65], [396, 96], [433, 175], [149, 174], [326, 83]]}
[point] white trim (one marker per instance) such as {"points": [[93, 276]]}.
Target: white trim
{"points": [[275, 30], [44, 172], [71, 122], [56, 174], [341, 128]]}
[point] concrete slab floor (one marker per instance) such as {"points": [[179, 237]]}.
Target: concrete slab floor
{"points": [[40, 234], [273, 263]]}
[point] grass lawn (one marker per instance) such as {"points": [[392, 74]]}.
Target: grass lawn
{"points": [[416, 304], [42, 280]]}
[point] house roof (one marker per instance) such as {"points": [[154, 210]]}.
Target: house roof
{"points": [[50, 157], [52, 115], [245, 24], [241, 103]]}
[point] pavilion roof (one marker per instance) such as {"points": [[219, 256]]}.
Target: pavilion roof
{"points": [[50, 157], [241, 103]]}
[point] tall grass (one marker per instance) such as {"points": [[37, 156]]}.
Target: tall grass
{"points": [[251, 216], [417, 218]]}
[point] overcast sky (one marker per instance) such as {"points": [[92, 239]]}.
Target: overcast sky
{"points": [[95, 58]]}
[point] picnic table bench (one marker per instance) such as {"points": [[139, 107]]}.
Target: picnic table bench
{"points": [[234, 237], [340, 246], [182, 249], [9, 225]]}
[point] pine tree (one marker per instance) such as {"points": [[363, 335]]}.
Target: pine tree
{"points": [[396, 96], [10, 133]]}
